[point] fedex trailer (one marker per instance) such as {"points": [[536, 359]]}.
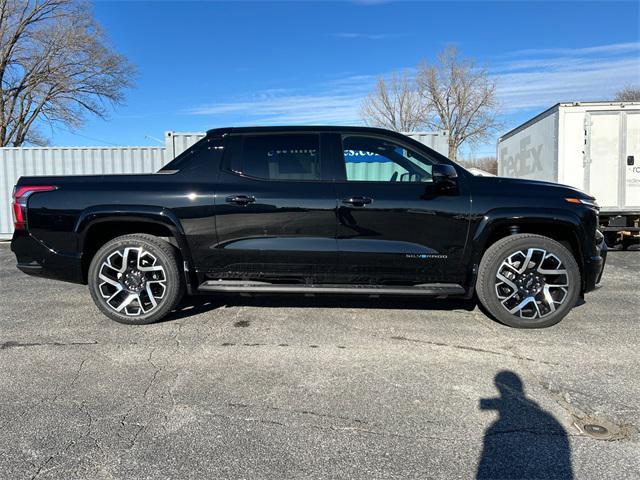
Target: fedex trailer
{"points": [[593, 146]]}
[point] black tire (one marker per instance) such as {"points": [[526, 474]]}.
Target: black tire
{"points": [[153, 302], [531, 282]]}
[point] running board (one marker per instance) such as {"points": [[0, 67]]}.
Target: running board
{"points": [[239, 286]]}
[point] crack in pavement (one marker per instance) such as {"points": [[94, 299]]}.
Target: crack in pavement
{"points": [[302, 412], [85, 434], [472, 349], [139, 427], [132, 439], [332, 428], [71, 384], [155, 373], [13, 344], [58, 393], [124, 424], [178, 332], [383, 434]]}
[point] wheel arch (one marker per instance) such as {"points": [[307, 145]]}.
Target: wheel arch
{"points": [[560, 225], [98, 225]]}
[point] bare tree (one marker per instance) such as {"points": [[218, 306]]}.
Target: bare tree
{"points": [[628, 94], [394, 104], [55, 68], [460, 98], [488, 164]]}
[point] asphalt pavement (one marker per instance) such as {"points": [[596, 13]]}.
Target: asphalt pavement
{"points": [[317, 387]]}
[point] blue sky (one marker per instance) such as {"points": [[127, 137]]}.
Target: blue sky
{"points": [[209, 64]]}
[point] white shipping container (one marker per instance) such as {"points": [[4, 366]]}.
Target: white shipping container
{"points": [[593, 146], [16, 162]]}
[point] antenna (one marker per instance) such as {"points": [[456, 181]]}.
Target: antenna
{"points": [[151, 137]]}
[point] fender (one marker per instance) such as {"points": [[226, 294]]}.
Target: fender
{"points": [[507, 217], [135, 213]]}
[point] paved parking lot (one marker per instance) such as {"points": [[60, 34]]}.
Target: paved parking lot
{"points": [[295, 387]]}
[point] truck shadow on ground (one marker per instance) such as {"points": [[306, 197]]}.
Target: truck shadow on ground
{"points": [[191, 306], [525, 441]]}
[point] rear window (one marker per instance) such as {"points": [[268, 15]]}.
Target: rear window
{"points": [[282, 157]]}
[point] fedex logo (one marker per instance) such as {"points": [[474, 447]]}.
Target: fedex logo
{"points": [[525, 162]]}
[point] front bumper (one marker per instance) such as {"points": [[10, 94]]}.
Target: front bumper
{"points": [[36, 259], [594, 267]]}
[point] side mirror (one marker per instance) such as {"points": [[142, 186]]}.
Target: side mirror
{"points": [[445, 179], [443, 172]]}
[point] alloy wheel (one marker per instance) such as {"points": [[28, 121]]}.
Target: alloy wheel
{"points": [[133, 281], [532, 283]]}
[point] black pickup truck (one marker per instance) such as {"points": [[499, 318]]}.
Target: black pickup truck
{"points": [[311, 210]]}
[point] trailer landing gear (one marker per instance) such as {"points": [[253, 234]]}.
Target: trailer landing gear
{"points": [[623, 230]]}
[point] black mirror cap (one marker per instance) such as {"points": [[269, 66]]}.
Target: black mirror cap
{"points": [[443, 171]]}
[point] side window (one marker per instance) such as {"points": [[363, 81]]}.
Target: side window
{"points": [[203, 156], [369, 159], [282, 157]]}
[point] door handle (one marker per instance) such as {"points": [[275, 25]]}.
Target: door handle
{"points": [[357, 201], [241, 199]]}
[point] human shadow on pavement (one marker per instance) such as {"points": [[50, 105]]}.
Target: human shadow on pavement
{"points": [[525, 442]]}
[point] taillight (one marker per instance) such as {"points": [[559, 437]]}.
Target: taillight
{"points": [[19, 205]]}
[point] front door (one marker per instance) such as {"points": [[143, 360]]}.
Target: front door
{"points": [[275, 209], [394, 224]]}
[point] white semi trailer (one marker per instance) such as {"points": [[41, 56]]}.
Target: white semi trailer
{"points": [[593, 146]]}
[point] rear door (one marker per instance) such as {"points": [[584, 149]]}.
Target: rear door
{"points": [[613, 173], [275, 208], [394, 225], [632, 161], [604, 172]]}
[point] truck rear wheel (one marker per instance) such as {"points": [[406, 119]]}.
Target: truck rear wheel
{"points": [[135, 279], [528, 281]]}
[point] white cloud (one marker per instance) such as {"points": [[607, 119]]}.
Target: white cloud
{"points": [[365, 36], [526, 79], [543, 77], [598, 49], [290, 108]]}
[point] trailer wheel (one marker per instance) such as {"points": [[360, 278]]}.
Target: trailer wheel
{"points": [[627, 242], [611, 239]]}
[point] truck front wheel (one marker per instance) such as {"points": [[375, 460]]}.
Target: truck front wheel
{"points": [[528, 281], [135, 279]]}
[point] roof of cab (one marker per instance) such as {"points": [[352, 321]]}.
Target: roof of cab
{"points": [[302, 128]]}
